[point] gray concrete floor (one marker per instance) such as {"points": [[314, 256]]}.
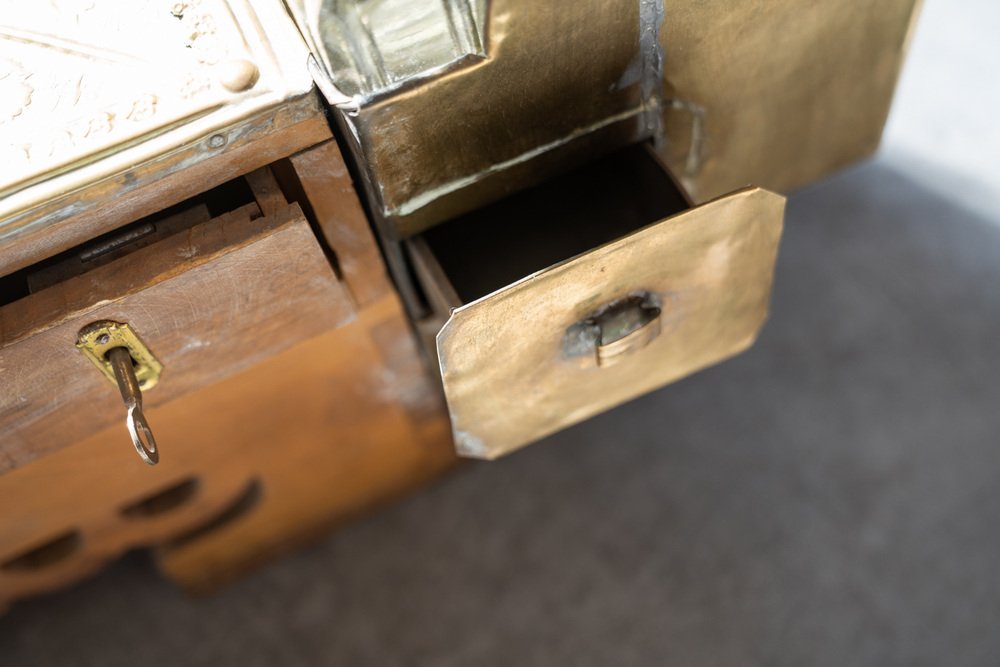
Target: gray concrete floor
{"points": [[832, 497]]}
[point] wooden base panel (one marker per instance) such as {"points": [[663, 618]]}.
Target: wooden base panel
{"points": [[252, 466]]}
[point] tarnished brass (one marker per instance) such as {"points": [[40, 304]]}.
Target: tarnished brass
{"points": [[96, 340], [775, 93], [702, 277]]}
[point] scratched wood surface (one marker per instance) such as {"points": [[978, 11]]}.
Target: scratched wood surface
{"points": [[331, 414], [89, 257], [278, 454], [354, 420], [326, 183], [208, 303]]}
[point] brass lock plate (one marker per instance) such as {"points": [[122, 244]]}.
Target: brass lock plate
{"points": [[97, 339]]}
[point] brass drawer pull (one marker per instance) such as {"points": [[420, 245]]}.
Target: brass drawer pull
{"points": [[615, 329], [119, 354], [625, 328]]}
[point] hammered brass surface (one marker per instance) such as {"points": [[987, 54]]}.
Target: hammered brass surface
{"points": [[772, 92], [776, 92], [561, 82], [506, 377]]}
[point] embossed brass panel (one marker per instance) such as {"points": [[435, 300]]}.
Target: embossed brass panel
{"points": [[91, 91], [507, 375], [83, 79]]}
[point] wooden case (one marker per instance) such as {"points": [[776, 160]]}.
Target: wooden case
{"points": [[292, 394]]}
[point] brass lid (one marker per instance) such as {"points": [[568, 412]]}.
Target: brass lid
{"points": [[90, 89]]}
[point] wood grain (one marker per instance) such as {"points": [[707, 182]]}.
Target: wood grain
{"points": [[284, 406], [328, 428], [208, 302], [326, 182], [266, 191]]}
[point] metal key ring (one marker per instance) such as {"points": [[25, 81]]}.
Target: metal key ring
{"points": [[142, 435]]}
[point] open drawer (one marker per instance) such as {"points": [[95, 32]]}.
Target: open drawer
{"points": [[580, 294]]}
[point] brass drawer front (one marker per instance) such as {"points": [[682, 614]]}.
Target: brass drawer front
{"points": [[512, 373]]}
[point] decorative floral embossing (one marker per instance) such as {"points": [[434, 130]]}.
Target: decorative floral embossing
{"points": [[84, 80], [202, 33], [100, 123], [15, 91], [142, 108]]}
